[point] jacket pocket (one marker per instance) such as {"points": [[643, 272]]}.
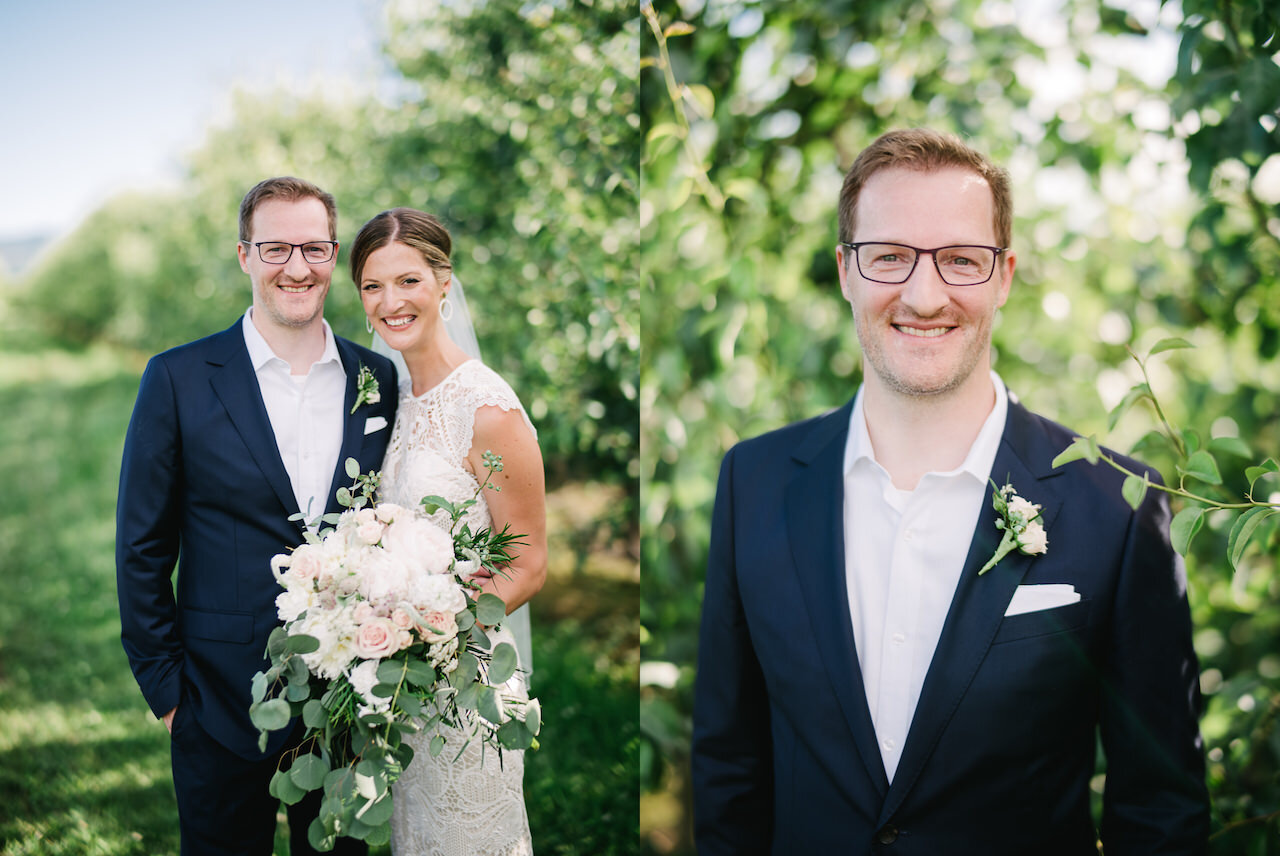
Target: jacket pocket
{"points": [[217, 626], [1043, 622]]}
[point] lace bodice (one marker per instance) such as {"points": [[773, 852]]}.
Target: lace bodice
{"points": [[474, 805], [433, 435]]}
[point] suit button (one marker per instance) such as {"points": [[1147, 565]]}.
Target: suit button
{"points": [[887, 835]]}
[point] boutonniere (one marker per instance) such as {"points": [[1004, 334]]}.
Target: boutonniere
{"points": [[1020, 522], [366, 388]]}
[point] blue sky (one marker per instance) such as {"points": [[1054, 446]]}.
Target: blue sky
{"points": [[104, 97]]}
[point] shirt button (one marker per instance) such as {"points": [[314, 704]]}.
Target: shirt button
{"points": [[890, 744], [899, 638], [909, 535]]}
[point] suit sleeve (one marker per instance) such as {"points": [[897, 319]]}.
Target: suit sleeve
{"points": [[1155, 799], [732, 748], [147, 527]]}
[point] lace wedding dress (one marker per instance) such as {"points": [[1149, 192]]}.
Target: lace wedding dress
{"points": [[474, 805]]}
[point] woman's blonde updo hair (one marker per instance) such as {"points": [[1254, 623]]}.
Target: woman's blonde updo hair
{"points": [[410, 227]]}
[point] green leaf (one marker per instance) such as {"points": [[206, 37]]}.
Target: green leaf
{"points": [[1255, 473], [276, 643], [1081, 447], [318, 837], [490, 609], [344, 497], [469, 696], [478, 637], [513, 734], [1242, 530], [298, 691], [1173, 343], [270, 715], [677, 28], [431, 504], [487, 703], [1131, 398], [308, 772], [468, 665], [390, 672], [258, 689], [503, 665], [437, 745], [353, 467], [302, 644], [376, 814], [285, 789], [1231, 446], [533, 716], [1135, 490], [410, 705], [314, 714], [465, 621], [419, 673], [1186, 523], [1201, 465]]}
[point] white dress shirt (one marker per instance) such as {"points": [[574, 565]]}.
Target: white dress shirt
{"points": [[306, 415], [904, 551]]}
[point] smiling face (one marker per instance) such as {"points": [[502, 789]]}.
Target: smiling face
{"points": [[401, 296], [288, 296], [924, 337]]}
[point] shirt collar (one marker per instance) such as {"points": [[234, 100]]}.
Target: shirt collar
{"points": [[982, 454], [260, 352]]}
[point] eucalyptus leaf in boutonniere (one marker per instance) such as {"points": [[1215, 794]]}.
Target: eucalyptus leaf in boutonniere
{"points": [[1020, 522], [366, 388]]}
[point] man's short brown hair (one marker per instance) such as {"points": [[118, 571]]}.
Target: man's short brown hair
{"points": [[289, 189]]}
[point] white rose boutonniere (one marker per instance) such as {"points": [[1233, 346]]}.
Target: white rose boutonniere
{"points": [[366, 388], [1021, 524]]}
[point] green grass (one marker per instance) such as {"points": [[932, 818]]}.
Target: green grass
{"points": [[84, 767]]}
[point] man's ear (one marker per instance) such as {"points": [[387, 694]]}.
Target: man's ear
{"points": [[1008, 261], [242, 253]]}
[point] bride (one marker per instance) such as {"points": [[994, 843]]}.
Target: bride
{"points": [[452, 409]]}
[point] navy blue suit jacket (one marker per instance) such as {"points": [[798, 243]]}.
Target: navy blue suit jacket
{"points": [[1002, 747], [202, 487]]}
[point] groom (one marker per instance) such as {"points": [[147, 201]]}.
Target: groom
{"points": [[231, 436], [861, 688]]}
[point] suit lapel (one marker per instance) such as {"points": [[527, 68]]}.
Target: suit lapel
{"points": [[979, 603], [352, 423], [236, 385], [815, 530]]}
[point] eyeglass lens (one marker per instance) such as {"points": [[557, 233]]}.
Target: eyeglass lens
{"points": [[893, 263]]}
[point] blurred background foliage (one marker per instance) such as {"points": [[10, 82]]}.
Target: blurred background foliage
{"points": [[1142, 141], [518, 124]]}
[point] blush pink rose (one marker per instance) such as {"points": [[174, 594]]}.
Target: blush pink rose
{"points": [[376, 639], [401, 618], [439, 626]]}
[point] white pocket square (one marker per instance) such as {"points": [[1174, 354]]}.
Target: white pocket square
{"points": [[1037, 598], [374, 423]]}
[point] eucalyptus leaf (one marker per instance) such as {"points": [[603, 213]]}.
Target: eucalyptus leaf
{"points": [[285, 789], [504, 663], [301, 643], [378, 813], [352, 467], [391, 671], [488, 703], [258, 689], [314, 714], [490, 609], [270, 715], [419, 673], [437, 745], [469, 696], [308, 772], [533, 716], [513, 734]]}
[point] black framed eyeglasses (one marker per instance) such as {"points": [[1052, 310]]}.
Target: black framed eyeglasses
{"points": [[893, 264], [279, 252]]}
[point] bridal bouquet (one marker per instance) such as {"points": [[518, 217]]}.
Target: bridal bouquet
{"points": [[384, 634]]}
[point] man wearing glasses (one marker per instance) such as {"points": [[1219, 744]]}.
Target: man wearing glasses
{"points": [[869, 681], [233, 436]]}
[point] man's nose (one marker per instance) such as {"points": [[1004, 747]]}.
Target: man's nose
{"points": [[296, 267], [924, 292]]}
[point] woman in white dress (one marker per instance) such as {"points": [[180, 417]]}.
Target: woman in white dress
{"points": [[452, 409]]}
